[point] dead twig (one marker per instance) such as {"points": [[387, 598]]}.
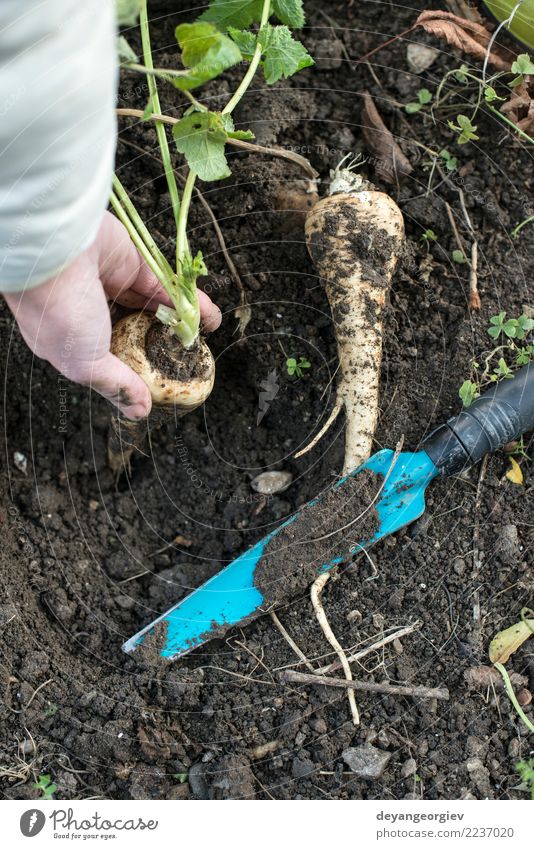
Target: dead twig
{"points": [[316, 590], [280, 152], [291, 676], [289, 639], [396, 635], [474, 297]]}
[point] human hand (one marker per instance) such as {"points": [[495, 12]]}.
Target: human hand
{"points": [[67, 322]]}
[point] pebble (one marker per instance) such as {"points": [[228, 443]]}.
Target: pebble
{"points": [[197, 781], [507, 545], [458, 564], [354, 617], [366, 761], [409, 768], [524, 697], [269, 483], [21, 462], [420, 57], [302, 767]]}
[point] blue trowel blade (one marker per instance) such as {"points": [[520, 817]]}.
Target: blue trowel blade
{"points": [[230, 597]]}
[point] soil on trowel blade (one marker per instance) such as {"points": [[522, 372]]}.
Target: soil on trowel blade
{"points": [[328, 529]]}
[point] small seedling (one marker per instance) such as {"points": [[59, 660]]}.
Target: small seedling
{"points": [[427, 237], [468, 392], [296, 368], [523, 66], [449, 160], [459, 257], [502, 647], [181, 777], [424, 97], [516, 231], [465, 129], [513, 328], [525, 770], [46, 788]]}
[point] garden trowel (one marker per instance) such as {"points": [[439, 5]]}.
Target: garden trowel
{"points": [[231, 597]]}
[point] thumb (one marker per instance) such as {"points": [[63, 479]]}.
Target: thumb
{"points": [[117, 382]]}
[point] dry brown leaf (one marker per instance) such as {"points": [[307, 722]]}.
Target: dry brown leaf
{"points": [[520, 106], [390, 163], [469, 37]]}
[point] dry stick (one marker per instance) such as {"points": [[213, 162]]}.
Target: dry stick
{"points": [[315, 592], [291, 676], [396, 635], [234, 274], [338, 406], [474, 297], [281, 152], [300, 654]]}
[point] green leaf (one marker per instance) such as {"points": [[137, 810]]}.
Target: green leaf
{"points": [[282, 54], [490, 94], [450, 161], [232, 133], [206, 52], [461, 74], [245, 41], [232, 13], [412, 107], [424, 96], [201, 138], [468, 392], [523, 65], [128, 12], [290, 12], [459, 257]]}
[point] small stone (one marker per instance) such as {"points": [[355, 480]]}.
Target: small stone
{"points": [[514, 748], [524, 697], [302, 767], [397, 646], [474, 765], [420, 57], [197, 781], [93, 505], [27, 747], [269, 483], [458, 564], [409, 768], [21, 462], [507, 545], [354, 617], [318, 725], [366, 761], [378, 621]]}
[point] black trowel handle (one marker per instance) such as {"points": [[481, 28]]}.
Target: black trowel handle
{"points": [[503, 413]]}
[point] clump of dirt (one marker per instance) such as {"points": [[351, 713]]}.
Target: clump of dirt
{"points": [[167, 354], [330, 528]]}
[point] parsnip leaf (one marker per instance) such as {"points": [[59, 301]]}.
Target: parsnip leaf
{"points": [[232, 13], [290, 12], [282, 55], [201, 138], [206, 52]]}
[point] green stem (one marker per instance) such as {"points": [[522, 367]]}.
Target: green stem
{"points": [[181, 234], [122, 215], [253, 67], [155, 104], [510, 690], [140, 226], [510, 123]]}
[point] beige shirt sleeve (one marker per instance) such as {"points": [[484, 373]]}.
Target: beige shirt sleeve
{"points": [[58, 80]]}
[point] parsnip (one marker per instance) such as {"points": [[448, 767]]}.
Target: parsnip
{"points": [[354, 237], [180, 387]]}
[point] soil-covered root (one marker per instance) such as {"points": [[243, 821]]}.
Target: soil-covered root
{"points": [[179, 380], [354, 237]]}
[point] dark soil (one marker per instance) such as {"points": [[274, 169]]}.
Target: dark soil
{"points": [[332, 528], [85, 563], [167, 354]]}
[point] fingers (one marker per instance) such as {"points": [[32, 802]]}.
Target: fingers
{"points": [[209, 312], [125, 276], [116, 381]]}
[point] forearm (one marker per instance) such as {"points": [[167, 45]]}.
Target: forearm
{"points": [[57, 133]]}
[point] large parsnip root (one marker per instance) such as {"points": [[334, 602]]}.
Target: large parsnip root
{"points": [[354, 237], [179, 380]]}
